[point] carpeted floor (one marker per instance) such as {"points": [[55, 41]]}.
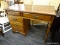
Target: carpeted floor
{"points": [[35, 37]]}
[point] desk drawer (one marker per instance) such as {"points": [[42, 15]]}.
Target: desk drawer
{"points": [[16, 24], [14, 28], [35, 16], [15, 18], [13, 13], [21, 30]]}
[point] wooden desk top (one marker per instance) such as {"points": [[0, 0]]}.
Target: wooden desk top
{"points": [[37, 9]]}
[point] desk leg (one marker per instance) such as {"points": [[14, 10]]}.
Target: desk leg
{"points": [[48, 28], [47, 31], [26, 25]]}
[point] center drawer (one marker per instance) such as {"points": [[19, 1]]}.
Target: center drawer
{"points": [[15, 18], [37, 16]]}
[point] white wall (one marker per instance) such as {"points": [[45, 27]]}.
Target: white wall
{"points": [[28, 2], [54, 3], [36, 2], [41, 2], [21, 0]]}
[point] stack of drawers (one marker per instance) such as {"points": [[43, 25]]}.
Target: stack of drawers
{"points": [[16, 22]]}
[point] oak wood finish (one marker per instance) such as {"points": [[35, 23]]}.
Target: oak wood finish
{"points": [[16, 23], [44, 13], [15, 18], [36, 16]]}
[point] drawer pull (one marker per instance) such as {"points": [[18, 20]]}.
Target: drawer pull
{"points": [[36, 16], [41, 19], [26, 13], [21, 28], [16, 25], [14, 19], [12, 13]]}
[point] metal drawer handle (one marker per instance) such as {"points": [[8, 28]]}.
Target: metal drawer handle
{"points": [[26, 13], [12, 13], [14, 19], [21, 28], [16, 25], [41, 19], [36, 16]]}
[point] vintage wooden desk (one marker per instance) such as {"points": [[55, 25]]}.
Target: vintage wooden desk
{"points": [[20, 19]]}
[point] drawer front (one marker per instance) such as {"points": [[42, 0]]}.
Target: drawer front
{"points": [[14, 28], [16, 24], [20, 25], [21, 30], [15, 18], [28, 15], [13, 13], [35, 16], [47, 18], [17, 27]]}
